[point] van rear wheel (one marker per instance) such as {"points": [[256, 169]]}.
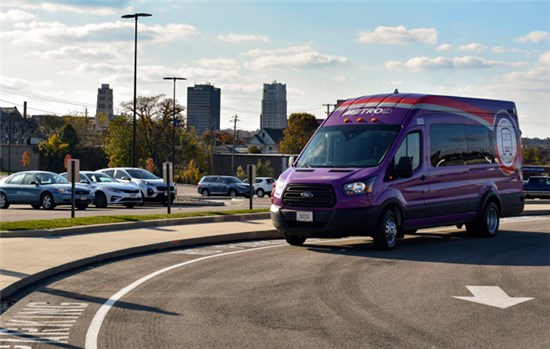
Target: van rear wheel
{"points": [[485, 226], [386, 232], [294, 240]]}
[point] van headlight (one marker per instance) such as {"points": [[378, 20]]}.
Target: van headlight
{"points": [[359, 188], [279, 186]]}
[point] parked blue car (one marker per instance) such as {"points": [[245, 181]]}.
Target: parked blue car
{"points": [[41, 189]]}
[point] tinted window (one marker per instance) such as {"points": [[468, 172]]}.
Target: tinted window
{"points": [[447, 145], [141, 174], [119, 174], [479, 140], [410, 148]]}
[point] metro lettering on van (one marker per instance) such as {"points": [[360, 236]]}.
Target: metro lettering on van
{"points": [[422, 161]]}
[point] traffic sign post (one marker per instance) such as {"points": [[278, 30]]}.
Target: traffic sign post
{"points": [[73, 172], [167, 176]]}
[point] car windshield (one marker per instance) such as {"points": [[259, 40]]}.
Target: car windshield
{"points": [[348, 146], [141, 174], [100, 178], [50, 178]]}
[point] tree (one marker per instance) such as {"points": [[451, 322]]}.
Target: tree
{"points": [[26, 159], [192, 174], [264, 169], [241, 174], [301, 127], [52, 153], [254, 149], [68, 136], [150, 165]]}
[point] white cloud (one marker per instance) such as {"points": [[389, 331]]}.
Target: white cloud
{"points": [[218, 62], [438, 63], [473, 47], [304, 56], [75, 53], [99, 7], [236, 38], [397, 35], [533, 37], [545, 58], [443, 48], [502, 49], [16, 16]]}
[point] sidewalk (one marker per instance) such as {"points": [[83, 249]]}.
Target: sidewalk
{"points": [[26, 260], [28, 257]]}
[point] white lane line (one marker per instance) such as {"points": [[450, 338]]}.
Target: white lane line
{"points": [[93, 330]]}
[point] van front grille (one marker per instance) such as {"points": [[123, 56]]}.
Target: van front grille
{"points": [[309, 195]]}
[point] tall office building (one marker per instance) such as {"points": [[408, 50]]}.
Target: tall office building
{"points": [[203, 108], [274, 106], [104, 105]]}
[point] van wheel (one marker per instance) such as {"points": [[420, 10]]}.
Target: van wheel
{"points": [[260, 193], [386, 232], [487, 225], [294, 240]]}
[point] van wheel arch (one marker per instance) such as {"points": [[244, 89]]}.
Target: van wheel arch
{"points": [[397, 209]]}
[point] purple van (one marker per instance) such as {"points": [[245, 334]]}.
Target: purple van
{"points": [[386, 165]]}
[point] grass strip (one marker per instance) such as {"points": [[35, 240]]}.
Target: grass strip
{"points": [[40, 224]]}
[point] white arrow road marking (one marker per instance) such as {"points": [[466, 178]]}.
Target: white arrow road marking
{"points": [[493, 296]]}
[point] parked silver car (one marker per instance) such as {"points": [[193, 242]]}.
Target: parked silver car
{"points": [[263, 186], [109, 191], [151, 186], [223, 185]]}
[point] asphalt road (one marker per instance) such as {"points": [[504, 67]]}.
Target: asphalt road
{"points": [[327, 294]]}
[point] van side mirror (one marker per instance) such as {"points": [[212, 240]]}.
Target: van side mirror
{"points": [[404, 167], [291, 161]]}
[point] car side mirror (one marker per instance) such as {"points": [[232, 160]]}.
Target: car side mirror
{"points": [[404, 167], [125, 178], [84, 181], [34, 182]]}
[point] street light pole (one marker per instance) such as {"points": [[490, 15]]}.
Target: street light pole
{"points": [[174, 120], [135, 15]]}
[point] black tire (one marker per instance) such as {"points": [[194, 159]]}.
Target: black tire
{"points": [[47, 201], [129, 205], [485, 226], [36, 206], [387, 231], [205, 192], [100, 199], [4, 203], [294, 240], [260, 192], [81, 207], [232, 193]]}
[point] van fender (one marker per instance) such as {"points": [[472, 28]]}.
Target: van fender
{"points": [[490, 193]]}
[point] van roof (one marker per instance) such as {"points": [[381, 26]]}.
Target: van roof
{"points": [[393, 108]]}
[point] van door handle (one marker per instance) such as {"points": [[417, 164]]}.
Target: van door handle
{"points": [[423, 177]]}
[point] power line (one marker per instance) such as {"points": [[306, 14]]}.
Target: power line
{"points": [[29, 108], [30, 94]]}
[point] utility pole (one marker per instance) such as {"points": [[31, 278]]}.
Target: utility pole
{"points": [[235, 119], [328, 107]]}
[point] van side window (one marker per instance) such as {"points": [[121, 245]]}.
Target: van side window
{"points": [[447, 145], [479, 140], [410, 147]]}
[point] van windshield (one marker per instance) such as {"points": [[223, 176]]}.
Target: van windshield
{"points": [[348, 146]]}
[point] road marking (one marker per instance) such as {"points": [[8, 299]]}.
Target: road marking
{"points": [[493, 296], [93, 330], [41, 322]]}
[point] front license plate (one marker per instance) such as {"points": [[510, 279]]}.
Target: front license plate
{"points": [[84, 198], [304, 216]]}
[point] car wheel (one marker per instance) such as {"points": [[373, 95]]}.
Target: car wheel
{"points": [[81, 207], [232, 193], [47, 201], [294, 240], [4, 201], [205, 192], [36, 206], [386, 232], [487, 224], [100, 199], [260, 192], [142, 199]]}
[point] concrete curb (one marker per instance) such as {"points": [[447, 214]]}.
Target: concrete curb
{"points": [[100, 228], [32, 279]]}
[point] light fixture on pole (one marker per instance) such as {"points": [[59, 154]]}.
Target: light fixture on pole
{"points": [[135, 15], [174, 119]]}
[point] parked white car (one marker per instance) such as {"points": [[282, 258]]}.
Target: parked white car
{"points": [[263, 186], [151, 186], [109, 191]]}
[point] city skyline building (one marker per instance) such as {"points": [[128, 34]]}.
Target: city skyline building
{"points": [[203, 108], [274, 106], [104, 105]]}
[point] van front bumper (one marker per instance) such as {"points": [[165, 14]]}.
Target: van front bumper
{"points": [[327, 224]]}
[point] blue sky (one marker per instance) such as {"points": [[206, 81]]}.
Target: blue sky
{"points": [[56, 54]]}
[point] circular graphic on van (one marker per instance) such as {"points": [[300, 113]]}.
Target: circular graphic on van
{"points": [[506, 144]]}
